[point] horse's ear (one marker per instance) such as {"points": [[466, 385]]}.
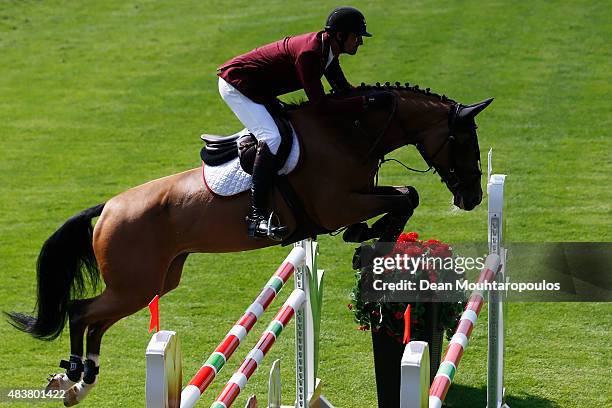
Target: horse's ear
{"points": [[470, 111]]}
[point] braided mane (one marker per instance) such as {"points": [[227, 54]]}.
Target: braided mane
{"points": [[365, 88], [399, 87]]}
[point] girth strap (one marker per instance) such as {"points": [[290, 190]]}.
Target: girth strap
{"points": [[305, 226]]}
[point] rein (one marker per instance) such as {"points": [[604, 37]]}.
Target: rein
{"points": [[384, 130]]}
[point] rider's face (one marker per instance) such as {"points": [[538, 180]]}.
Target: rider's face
{"points": [[352, 42]]}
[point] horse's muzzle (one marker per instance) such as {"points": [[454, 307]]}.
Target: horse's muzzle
{"points": [[468, 199]]}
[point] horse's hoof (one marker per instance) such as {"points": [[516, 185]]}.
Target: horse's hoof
{"points": [[71, 397], [77, 393], [59, 382]]}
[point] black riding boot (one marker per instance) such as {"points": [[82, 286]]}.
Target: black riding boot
{"points": [[259, 221]]}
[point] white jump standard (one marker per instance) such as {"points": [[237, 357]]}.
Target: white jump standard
{"points": [[496, 305], [415, 362]]}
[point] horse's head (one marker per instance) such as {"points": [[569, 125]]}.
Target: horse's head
{"points": [[444, 132], [456, 155]]}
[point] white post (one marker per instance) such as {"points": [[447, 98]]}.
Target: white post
{"points": [[274, 386], [414, 391], [164, 372], [307, 328], [495, 360], [304, 363]]}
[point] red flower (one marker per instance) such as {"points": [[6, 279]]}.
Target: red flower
{"points": [[441, 251], [414, 251], [408, 237]]}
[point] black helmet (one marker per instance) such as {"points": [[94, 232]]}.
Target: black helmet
{"points": [[347, 19]]}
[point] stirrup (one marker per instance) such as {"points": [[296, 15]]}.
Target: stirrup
{"points": [[275, 232], [259, 227]]}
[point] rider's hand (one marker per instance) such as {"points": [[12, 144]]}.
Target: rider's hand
{"points": [[380, 99]]}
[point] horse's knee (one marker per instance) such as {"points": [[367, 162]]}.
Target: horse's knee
{"points": [[405, 201]]}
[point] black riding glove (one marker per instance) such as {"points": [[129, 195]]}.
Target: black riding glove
{"points": [[380, 99]]}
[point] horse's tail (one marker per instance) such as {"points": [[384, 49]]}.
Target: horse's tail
{"points": [[60, 273]]}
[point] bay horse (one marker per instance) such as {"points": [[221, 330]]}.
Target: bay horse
{"points": [[144, 235]]}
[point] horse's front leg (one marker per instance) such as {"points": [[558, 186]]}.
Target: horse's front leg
{"points": [[358, 207], [401, 204]]}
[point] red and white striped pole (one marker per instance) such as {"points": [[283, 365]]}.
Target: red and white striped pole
{"points": [[215, 362], [238, 381], [458, 344]]}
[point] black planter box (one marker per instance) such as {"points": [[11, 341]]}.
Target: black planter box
{"points": [[388, 353]]}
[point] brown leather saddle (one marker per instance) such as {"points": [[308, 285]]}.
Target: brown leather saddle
{"points": [[222, 149]]}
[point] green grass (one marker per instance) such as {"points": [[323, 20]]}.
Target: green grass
{"points": [[97, 97]]}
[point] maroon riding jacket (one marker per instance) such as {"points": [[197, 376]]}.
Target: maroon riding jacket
{"points": [[288, 65]]}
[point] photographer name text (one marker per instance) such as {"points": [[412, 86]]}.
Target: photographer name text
{"points": [[462, 285]]}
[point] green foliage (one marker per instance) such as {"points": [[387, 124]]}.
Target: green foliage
{"points": [[96, 97]]}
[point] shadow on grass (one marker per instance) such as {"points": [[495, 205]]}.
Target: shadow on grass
{"points": [[460, 396]]}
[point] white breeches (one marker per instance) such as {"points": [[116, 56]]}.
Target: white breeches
{"points": [[254, 116]]}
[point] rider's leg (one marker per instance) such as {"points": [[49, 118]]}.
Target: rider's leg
{"points": [[258, 120], [264, 168], [254, 116]]}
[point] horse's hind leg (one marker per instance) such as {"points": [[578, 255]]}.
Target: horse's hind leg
{"points": [[74, 367], [111, 306], [91, 364], [99, 315]]}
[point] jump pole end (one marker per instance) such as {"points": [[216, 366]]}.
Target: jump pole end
{"points": [[296, 256]]}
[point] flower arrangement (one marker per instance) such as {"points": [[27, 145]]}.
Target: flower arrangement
{"points": [[388, 316]]}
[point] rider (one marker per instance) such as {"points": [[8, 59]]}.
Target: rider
{"points": [[247, 83]]}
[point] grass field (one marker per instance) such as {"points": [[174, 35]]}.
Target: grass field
{"points": [[97, 97]]}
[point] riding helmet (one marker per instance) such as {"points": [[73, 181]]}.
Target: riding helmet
{"points": [[347, 19]]}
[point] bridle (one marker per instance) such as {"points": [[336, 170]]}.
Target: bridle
{"points": [[450, 177]]}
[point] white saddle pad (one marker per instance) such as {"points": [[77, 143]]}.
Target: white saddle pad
{"points": [[229, 178]]}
